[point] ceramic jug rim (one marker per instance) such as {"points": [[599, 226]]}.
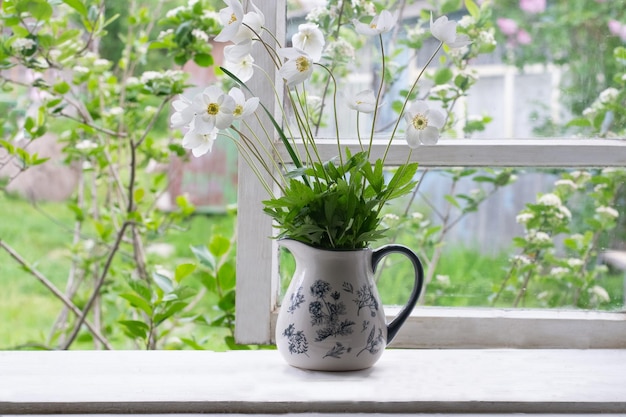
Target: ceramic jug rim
{"points": [[283, 239]]}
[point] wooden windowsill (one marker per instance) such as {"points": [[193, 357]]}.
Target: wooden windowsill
{"points": [[403, 381]]}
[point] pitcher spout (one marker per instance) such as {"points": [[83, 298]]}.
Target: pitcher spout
{"points": [[296, 247]]}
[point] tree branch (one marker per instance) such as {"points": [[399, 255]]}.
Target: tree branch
{"points": [[56, 292]]}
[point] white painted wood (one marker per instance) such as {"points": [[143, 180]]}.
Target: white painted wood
{"points": [[257, 278], [548, 152], [459, 328], [403, 381], [256, 291]]}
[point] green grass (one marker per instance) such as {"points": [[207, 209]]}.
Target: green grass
{"points": [[27, 309]]}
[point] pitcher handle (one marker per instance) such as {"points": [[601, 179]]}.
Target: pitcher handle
{"points": [[377, 256]]}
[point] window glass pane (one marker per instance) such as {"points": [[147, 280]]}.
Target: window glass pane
{"points": [[534, 69], [526, 238]]}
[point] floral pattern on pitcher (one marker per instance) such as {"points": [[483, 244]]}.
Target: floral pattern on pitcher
{"points": [[297, 340], [326, 311]]}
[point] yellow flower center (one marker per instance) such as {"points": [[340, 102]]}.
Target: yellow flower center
{"points": [[213, 109], [238, 110], [373, 25], [419, 122], [302, 64], [233, 19]]}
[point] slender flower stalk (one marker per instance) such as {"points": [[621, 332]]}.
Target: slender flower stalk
{"points": [[331, 204]]}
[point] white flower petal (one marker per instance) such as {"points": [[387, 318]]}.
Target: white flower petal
{"points": [[232, 19], [436, 119], [430, 135], [383, 22], [442, 29], [412, 137], [364, 102], [310, 39]]}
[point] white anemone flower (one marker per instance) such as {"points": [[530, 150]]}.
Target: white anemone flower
{"points": [[364, 102], [239, 27], [310, 39], [423, 124], [381, 23], [297, 68], [213, 109], [199, 143], [243, 107], [183, 114], [239, 60], [445, 31], [232, 19]]}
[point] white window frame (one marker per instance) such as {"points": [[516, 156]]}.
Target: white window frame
{"points": [[257, 254]]}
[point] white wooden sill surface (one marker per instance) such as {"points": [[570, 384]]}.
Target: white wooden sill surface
{"points": [[403, 381]]}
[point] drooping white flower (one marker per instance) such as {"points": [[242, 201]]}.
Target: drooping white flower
{"points": [[445, 31], [183, 112], [232, 19], [239, 27], [243, 107], [364, 102], [239, 60], [381, 23], [310, 39], [213, 109], [199, 143], [423, 124], [297, 68]]}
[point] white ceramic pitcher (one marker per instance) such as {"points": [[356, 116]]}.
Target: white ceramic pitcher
{"points": [[332, 318]]}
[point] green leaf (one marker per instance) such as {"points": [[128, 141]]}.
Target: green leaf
{"points": [[171, 309], [472, 8], [183, 271], [78, 6], [203, 60], [192, 343], [620, 53], [450, 199], [141, 288], [138, 302], [227, 276], [579, 122], [203, 256], [227, 302], [135, 328], [450, 6], [219, 246], [61, 88], [443, 75], [139, 194], [39, 9], [8, 146], [163, 282]]}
